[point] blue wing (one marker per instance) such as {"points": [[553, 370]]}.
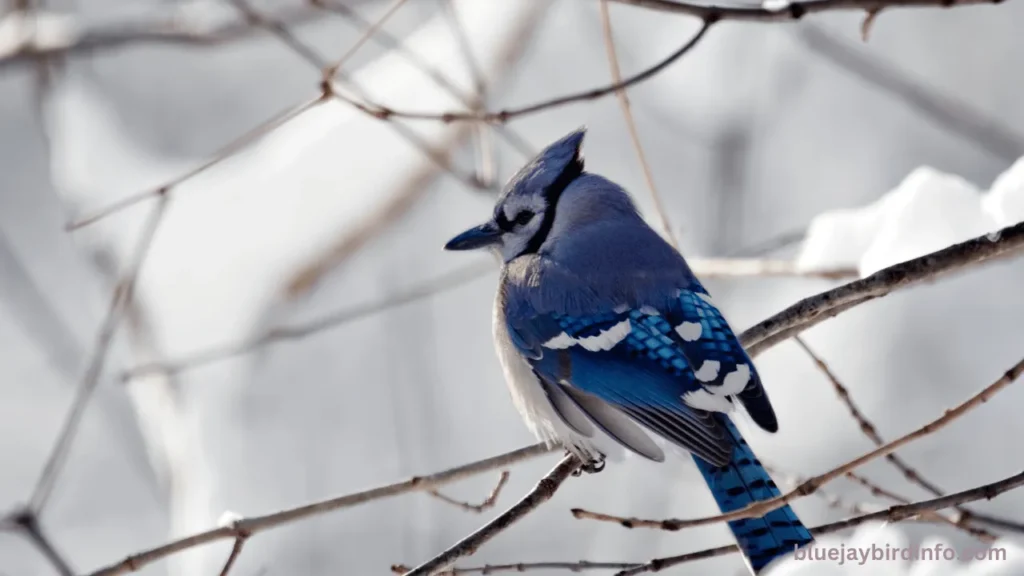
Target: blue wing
{"points": [[665, 367], [714, 341]]}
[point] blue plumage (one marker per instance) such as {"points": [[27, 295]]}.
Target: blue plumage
{"points": [[601, 325]]}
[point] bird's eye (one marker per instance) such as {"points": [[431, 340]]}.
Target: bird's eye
{"points": [[523, 217]]}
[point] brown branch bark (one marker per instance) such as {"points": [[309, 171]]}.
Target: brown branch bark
{"points": [[792, 10], [815, 309], [869, 430], [543, 492], [892, 514], [488, 502], [250, 526]]}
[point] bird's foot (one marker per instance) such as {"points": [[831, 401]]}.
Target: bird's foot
{"points": [[591, 467]]}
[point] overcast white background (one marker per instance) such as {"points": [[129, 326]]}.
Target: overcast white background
{"points": [[750, 136]]}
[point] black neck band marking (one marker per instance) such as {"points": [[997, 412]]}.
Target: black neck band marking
{"points": [[571, 172]]}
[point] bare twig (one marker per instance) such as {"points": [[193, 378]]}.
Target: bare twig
{"points": [[27, 523], [224, 153], [236, 550], [60, 35], [250, 526], [627, 113], [371, 31], [871, 432], [810, 485], [990, 134], [123, 293], [505, 115], [393, 44], [960, 521], [815, 309], [543, 492], [834, 501], [892, 514], [581, 566], [790, 10], [327, 85], [488, 502]]}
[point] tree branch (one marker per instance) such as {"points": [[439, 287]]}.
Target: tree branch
{"points": [[543, 492], [488, 502], [249, 526], [791, 10], [123, 294], [892, 514], [869, 430], [815, 309]]}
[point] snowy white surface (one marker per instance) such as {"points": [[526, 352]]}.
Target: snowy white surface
{"points": [[928, 211]]}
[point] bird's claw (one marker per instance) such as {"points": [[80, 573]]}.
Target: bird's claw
{"points": [[591, 467]]}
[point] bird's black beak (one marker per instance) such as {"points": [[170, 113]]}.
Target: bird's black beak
{"points": [[481, 236]]}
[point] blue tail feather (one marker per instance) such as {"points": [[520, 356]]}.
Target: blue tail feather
{"points": [[745, 481]]}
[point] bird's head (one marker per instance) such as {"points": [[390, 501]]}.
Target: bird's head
{"points": [[525, 211]]}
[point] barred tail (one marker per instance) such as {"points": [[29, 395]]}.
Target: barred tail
{"points": [[742, 482]]}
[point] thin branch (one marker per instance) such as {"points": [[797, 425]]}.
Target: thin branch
{"points": [[250, 526], [219, 156], [502, 116], [809, 486], [960, 521], [305, 52], [488, 502], [123, 294], [991, 134], [834, 501], [395, 45], [791, 10], [545, 489], [61, 35], [236, 550], [580, 566], [371, 31], [815, 309], [869, 430], [27, 523], [627, 114], [892, 514]]}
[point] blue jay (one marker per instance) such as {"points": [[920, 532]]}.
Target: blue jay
{"points": [[599, 324]]}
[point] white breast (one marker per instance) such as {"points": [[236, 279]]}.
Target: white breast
{"points": [[529, 398]]}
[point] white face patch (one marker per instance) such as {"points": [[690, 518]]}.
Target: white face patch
{"points": [[690, 331], [734, 382], [606, 340], [514, 241], [708, 370], [704, 400]]}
